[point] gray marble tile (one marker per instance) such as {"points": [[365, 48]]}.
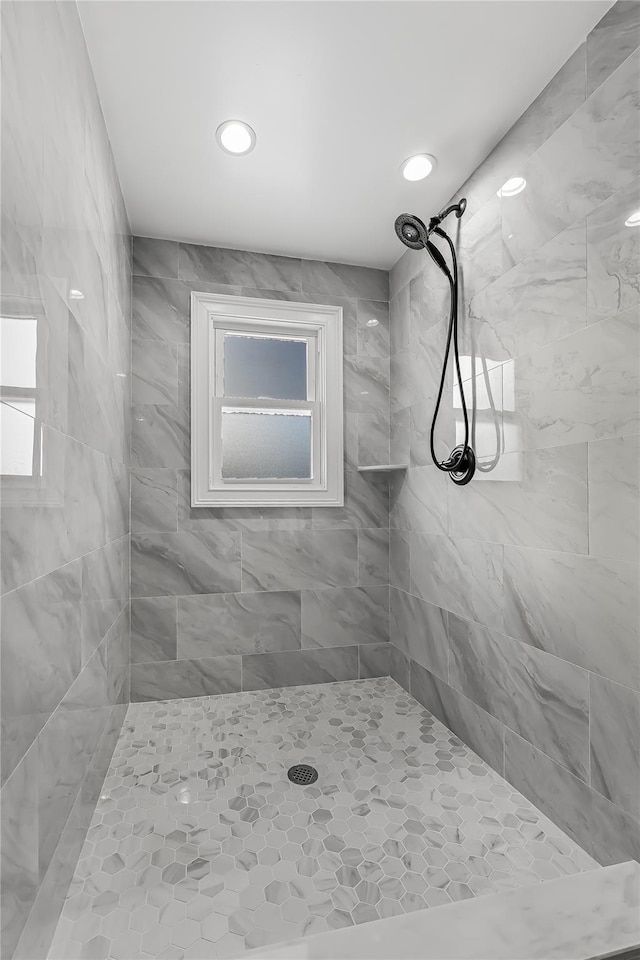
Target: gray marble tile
{"points": [[155, 258], [160, 309], [445, 438], [345, 616], [154, 372], [173, 679], [611, 41], [105, 591], [463, 576], [154, 499], [399, 317], [293, 560], [19, 857], [399, 572], [366, 384], [481, 249], [613, 255], [65, 748], [408, 264], [184, 563], [41, 655], [159, 435], [220, 265], [118, 652], [400, 436], [614, 498], [601, 828], [584, 387], [344, 280], [419, 500], [238, 623], [540, 500], [372, 437], [615, 760], [580, 609], [428, 300], [476, 728], [366, 504], [399, 667], [373, 328], [544, 699], [419, 630], [374, 660], [602, 138], [373, 556], [262, 671], [539, 300], [153, 629], [236, 518]]}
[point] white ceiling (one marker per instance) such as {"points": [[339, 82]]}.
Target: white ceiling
{"points": [[339, 93]]}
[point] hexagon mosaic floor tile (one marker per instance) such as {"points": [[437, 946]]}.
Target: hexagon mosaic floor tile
{"points": [[200, 846]]}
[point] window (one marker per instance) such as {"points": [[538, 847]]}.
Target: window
{"points": [[266, 403]]}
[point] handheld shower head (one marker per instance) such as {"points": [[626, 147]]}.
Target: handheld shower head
{"points": [[412, 231]]}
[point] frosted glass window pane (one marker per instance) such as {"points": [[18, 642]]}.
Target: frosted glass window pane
{"points": [[265, 367], [266, 444]]}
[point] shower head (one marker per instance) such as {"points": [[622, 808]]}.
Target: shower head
{"points": [[412, 231]]}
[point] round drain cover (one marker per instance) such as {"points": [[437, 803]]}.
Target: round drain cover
{"points": [[302, 773]]}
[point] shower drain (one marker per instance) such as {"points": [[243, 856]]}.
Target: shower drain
{"points": [[302, 773]]}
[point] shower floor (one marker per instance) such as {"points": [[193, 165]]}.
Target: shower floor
{"points": [[200, 847]]}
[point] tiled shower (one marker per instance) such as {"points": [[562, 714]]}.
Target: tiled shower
{"points": [[462, 664]]}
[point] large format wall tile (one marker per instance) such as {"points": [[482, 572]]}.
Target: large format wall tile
{"points": [[475, 727], [463, 576], [614, 498], [154, 499], [292, 560], [343, 280], [419, 500], [419, 630], [342, 617], [374, 660], [154, 632], [160, 309], [538, 500], [613, 254], [159, 435], [174, 679], [19, 868], [600, 827], [41, 655], [584, 387], [155, 258], [177, 564], [218, 265], [261, 671], [154, 372], [238, 623], [581, 609], [538, 301], [615, 758], [602, 138], [544, 699], [611, 41]]}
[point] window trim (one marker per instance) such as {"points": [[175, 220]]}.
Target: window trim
{"points": [[323, 323]]}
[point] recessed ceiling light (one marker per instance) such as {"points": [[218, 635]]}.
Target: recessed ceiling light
{"points": [[418, 167], [236, 137], [633, 220], [512, 186], [76, 295], [372, 323]]}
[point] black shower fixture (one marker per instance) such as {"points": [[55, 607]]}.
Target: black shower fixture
{"points": [[461, 463]]}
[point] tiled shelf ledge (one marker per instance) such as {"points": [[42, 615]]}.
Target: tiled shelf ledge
{"points": [[383, 467]]}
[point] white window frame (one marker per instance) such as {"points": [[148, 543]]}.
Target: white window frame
{"points": [[321, 326]]}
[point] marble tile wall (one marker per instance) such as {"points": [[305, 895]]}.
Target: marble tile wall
{"points": [[65, 328], [230, 599], [514, 612]]}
